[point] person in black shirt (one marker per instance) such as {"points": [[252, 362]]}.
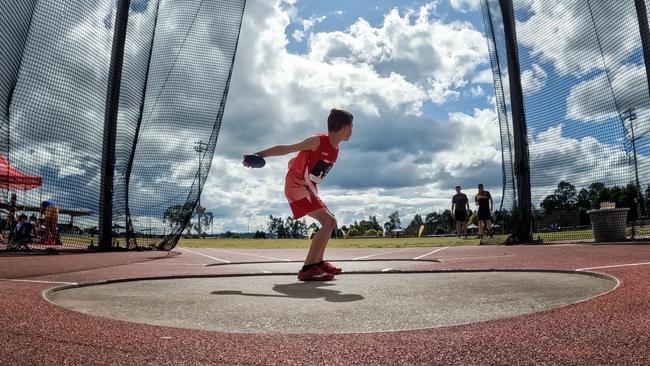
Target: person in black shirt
{"points": [[24, 230], [485, 205], [460, 209]]}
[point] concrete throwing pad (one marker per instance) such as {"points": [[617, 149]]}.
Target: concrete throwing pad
{"points": [[351, 303]]}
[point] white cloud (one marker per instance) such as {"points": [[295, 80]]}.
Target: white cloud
{"points": [[298, 35], [598, 98], [562, 32], [580, 161], [533, 79], [483, 77], [434, 55], [397, 157], [477, 91], [383, 73], [464, 5], [477, 143]]}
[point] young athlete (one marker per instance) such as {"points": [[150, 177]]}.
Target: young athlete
{"points": [[316, 156], [485, 205], [460, 209]]}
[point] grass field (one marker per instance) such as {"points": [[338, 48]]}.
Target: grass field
{"points": [[546, 237], [333, 243], [566, 235]]}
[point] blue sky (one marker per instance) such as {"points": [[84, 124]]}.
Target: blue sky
{"points": [[415, 74], [417, 77], [338, 15]]}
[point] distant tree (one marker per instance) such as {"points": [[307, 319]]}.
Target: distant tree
{"points": [[627, 197], [473, 218], [259, 235], [373, 232], [297, 228], [393, 222], [199, 212], [447, 221], [313, 227], [178, 215], [276, 228], [352, 232], [208, 219], [288, 227], [565, 197], [414, 226], [432, 218], [364, 225]]}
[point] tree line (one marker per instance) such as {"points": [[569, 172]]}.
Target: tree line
{"points": [[565, 206], [566, 199]]}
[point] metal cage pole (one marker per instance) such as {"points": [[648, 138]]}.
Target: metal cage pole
{"points": [[105, 226], [644, 32], [522, 163]]}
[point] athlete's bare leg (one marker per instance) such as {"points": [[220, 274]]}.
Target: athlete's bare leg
{"points": [[319, 242]]}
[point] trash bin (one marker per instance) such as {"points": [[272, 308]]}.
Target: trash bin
{"points": [[608, 224]]}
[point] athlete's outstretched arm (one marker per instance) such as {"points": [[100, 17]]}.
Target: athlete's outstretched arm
{"points": [[310, 143]]}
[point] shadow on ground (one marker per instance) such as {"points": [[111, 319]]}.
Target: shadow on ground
{"points": [[306, 290]]}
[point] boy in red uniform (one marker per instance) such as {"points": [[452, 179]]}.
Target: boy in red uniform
{"points": [[316, 156]]}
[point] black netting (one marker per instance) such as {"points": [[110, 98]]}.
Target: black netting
{"points": [[587, 116], [55, 68]]}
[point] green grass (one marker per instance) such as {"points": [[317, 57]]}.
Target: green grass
{"points": [[565, 235], [333, 243], [547, 237]]}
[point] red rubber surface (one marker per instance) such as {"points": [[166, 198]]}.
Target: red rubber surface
{"points": [[613, 329]]}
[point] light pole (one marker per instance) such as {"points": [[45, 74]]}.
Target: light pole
{"points": [[631, 116], [200, 147]]}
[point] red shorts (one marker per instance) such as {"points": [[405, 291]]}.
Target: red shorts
{"points": [[306, 205]]}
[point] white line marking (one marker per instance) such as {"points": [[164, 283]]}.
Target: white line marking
{"points": [[386, 269], [37, 281], [437, 250], [173, 264], [252, 255], [373, 255], [267, 272], [465, 258], [613, 266], [203, 255]]}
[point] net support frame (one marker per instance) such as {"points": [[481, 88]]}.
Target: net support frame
{"points": [[644, 32], [110, 126], [522, 162]]}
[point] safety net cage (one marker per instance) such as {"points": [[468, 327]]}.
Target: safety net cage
{"points": [[110, 116], [571, 91]]}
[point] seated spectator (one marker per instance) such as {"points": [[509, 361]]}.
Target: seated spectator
{"points": [[39, 229], [24, 230]]}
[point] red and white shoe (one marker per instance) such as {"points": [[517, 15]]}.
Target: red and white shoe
{"points": [[330, 268], [315, 273]]}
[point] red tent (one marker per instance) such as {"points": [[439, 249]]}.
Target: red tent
{"points": [[10, 178]]}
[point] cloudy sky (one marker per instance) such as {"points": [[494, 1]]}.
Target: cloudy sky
{"points": [[416, 76]]}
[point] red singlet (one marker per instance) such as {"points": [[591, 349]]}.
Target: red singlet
{"points": [[306, 171]]}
